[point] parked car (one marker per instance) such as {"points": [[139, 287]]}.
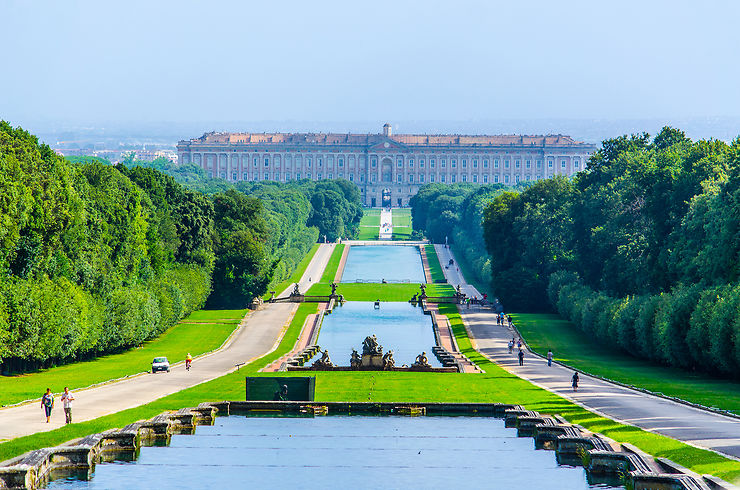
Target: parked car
{"points": [[160, 364]]}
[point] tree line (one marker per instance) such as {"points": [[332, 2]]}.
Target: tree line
{"points": [[96, 258], [641, 250], [454, 213]]}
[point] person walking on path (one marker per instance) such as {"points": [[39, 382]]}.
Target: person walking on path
{"points": [[67, 402], [511, 346], [521, 357], [47, 403], [549, 357], [574, 381], [188, 361], [519, 344]]}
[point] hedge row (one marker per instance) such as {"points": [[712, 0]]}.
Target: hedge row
{"points": [[690, 327]]}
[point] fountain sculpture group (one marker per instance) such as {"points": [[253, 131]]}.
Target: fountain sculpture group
{"points": [[371, 359]]}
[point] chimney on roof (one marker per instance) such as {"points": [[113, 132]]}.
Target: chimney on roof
{"points": [[387, 130]]}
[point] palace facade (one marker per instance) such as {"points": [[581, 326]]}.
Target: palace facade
{"points": [[387, 168]]}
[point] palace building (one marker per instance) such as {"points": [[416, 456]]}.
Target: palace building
{"points": [[388, 169]]}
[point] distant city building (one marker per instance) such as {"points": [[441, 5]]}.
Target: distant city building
{"points": [[387, 168]]}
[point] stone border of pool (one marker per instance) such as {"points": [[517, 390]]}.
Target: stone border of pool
{"points": [[572, 443]]}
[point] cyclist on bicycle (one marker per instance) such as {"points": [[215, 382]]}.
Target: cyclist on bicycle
{"points": [[188, 361]]}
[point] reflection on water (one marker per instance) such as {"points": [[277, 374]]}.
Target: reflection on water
{"points": [[343, 452], [400, 327], [373, 263]]}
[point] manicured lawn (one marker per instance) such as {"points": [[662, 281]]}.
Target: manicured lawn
{"points": [[370, 217], [368, 233], [296, 276], [369, 225], [434, 266], [496, 385], [175, 343], [401, 223], [215, 316], [401, 217], [384, 292], [331, 267], [572, 347]]}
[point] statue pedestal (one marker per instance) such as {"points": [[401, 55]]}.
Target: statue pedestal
{"points": [[372, 360]]}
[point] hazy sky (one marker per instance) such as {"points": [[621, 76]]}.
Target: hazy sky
{"points": [[154, 60]]}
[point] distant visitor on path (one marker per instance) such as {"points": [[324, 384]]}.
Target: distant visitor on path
{"points": [[47, 403], [67, 403], [549, 357], [511, 346], [521, 357], [574, 381]]}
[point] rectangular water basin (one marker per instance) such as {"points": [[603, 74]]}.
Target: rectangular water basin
{"points": [[400, 327], [342, 452], [376, 263]]}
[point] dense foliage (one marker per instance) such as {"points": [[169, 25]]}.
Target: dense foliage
{"points": [[454, 212], [641, 250], [91, 261]]}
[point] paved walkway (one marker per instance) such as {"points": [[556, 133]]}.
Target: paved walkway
{"points": [[386, 224], [692, 425], [257, 335]]}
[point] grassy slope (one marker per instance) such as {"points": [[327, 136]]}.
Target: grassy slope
{"points": [[384, 292], [401, 223], [496, 385], [331, 267], [572, 347], [175, 343], [434, 267], [369, 225], [297, 274]]}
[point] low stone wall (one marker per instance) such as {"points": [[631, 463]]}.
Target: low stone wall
{"points": [[36, 468]]}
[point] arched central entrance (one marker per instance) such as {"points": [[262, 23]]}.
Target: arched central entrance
{"points": [[386, 198]]}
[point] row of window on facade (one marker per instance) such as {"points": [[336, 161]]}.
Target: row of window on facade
{"points": [[505, 179], [474, 163]]}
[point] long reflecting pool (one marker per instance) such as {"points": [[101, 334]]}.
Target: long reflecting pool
{"points": [[373, 263], [342, 452], [399, 327]]}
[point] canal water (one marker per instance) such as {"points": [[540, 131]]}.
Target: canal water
{"points": [[400, 327], [375, 263], [342, 452]]}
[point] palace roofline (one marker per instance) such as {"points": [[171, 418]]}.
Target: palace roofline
{"points": [[230, 138]]}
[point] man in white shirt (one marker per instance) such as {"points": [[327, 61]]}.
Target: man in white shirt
{"points": [[67, 401]]}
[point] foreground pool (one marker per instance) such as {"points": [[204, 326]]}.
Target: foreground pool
{"points": [[342, 452], [375, 263], [399, 327]]}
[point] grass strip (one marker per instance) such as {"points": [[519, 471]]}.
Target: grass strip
{"points": [[297, 274], [175, 343], [384, 292], [571, 347], [434, 266], [402, 229], [369, 225], [331, 267]]}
